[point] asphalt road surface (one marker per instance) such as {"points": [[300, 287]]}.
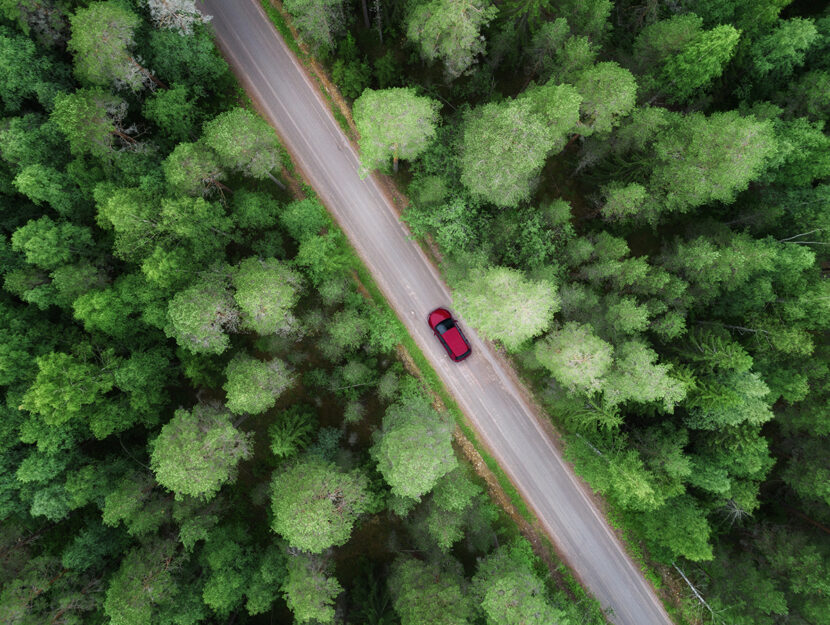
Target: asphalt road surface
{"points": [[481, 384]]}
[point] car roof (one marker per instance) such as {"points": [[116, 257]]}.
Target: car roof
{"points": [[456, 342]]}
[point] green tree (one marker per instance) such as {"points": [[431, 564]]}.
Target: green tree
{"points": [[254, 385], [508, 590], [292, 431], [503, 149], [48, 244], [505, 306], [315, 505], [702, 159], [102, 35], [623, 202], [192, 168], [309, 590], [429, 593], [199, 316], [609, 92], [41, 183], [414, 448], [64, 387], [784, 48], [198, 451], [699, 62], [677, 529], [265, 291], [575, 356], [24, 74], [245, 142], [91, 120], [449, 30], [637, 376], [318, 21], [173, 111], [143, 585], [393, 122]]}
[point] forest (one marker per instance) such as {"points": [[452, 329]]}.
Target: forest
{"points": [[206, 418], [631, 199]]}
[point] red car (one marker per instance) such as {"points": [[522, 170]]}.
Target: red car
{"points": [[450, 335]]}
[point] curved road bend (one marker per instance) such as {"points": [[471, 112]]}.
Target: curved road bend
{"points": [[481, 385]]}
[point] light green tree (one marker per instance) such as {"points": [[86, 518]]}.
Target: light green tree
{"points": [[199, 316], [49, 244], [194, 169], [505, 306], [393, 122], [198, 451], [450, 31], [575, 356], [624, 201], [414, 448], [429, 593], [503, 149], [699, 62], [309, 590], [701, 159], [317, 20], [638, 377], [246, 143], [143, 581], [508, 591], [784, 48], [91, 120], [609, 93], [102, 36], [315, 505], [265, 291], [253, 385], [173, 111], [64, 388]]}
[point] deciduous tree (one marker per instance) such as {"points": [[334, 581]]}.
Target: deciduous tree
{"points": [[505, 306], [245, 142], [266, 291], [393, 122], [199, 316], [318, 21], [254, 385], [198, 451], [91, 119], [449, 30], [609, 92], [310, 590], [102, 38], [575, 356], [315, 505], [414, 449], [429, 593]]}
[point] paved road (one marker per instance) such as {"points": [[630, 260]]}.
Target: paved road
{"points": [[481, 384]]}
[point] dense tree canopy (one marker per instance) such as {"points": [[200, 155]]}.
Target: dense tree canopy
{"points": [[630, 197]]}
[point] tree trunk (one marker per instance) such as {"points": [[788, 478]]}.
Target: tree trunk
{"points": [[364, 5], [379, 17], [395, 164], [277, 181]]}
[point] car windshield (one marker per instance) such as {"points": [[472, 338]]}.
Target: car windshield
{"points": [[445, 325]]}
